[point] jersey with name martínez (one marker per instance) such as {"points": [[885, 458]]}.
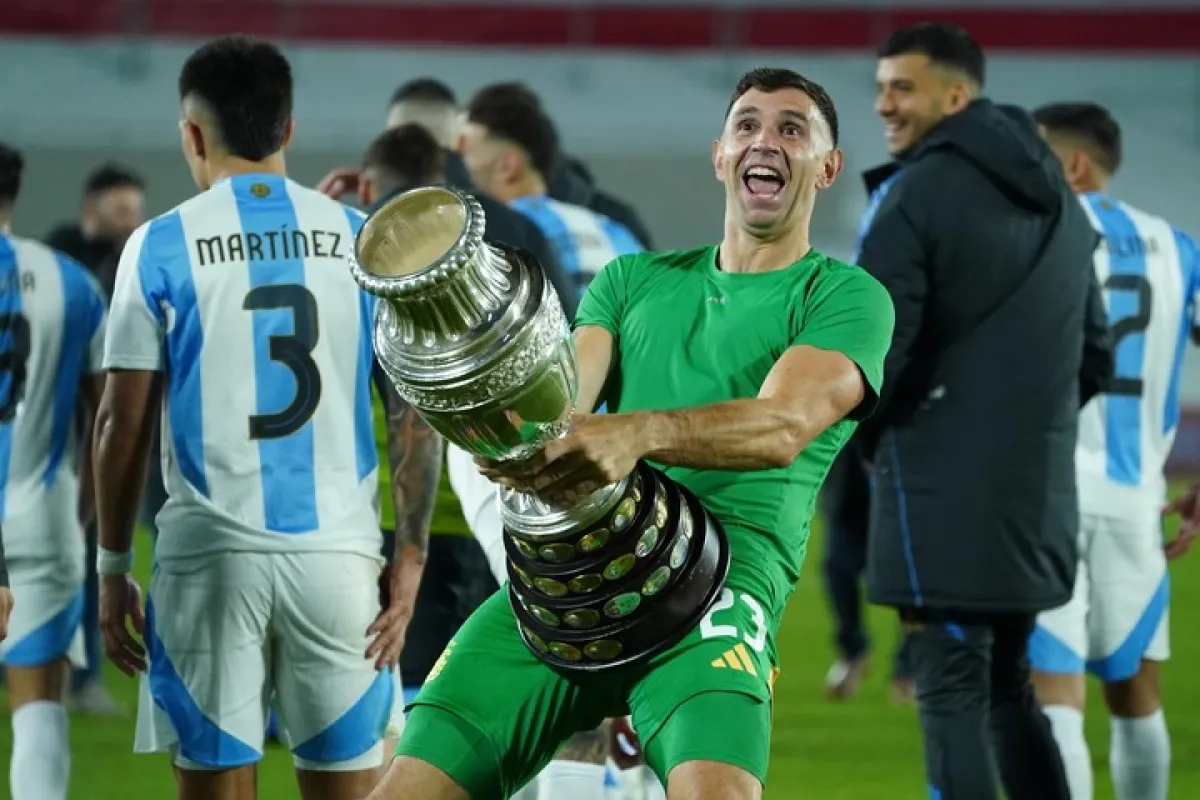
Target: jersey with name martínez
{"points": [[1150, 273], [688, 334], [243, 297], [51, 339]]}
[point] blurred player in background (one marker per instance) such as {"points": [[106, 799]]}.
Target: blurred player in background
{"points": [[236, 315], [1116, 624], [51, 340], [114, 204], [510, 146]]}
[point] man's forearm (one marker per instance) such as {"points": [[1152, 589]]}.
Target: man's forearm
{"points": [[415, 456], [735, 435], [3, 564], [120, 468]]}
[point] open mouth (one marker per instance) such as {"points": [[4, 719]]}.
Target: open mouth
{"points": [[763, 181]]}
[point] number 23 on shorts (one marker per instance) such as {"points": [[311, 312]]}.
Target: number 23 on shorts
{"points": [[739, 619]]}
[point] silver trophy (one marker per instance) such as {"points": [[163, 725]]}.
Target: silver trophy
{"points": [[473, 336]]}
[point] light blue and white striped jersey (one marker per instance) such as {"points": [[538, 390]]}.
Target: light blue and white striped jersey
{"points": [[583, 240], [243, 296], [51, 339], [1150, 273]]}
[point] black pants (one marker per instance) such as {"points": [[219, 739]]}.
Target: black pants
{"points": [[981, 723], [845, 504]]}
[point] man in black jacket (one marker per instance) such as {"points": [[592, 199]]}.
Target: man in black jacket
{"points": [[1000, 337]]}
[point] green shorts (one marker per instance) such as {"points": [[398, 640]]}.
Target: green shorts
{"points": [[491, 715]]}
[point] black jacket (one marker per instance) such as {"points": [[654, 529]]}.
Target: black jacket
{"points": [[512, 228], [1000, 337]]}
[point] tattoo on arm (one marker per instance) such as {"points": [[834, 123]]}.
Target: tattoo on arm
{"points": [[590, 747], [415, 457]]}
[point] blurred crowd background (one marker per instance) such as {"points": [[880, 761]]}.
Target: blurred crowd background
{"points": [[636, 87]]}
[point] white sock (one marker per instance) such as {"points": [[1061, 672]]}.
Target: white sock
{"points": [[571, 780], [41, 758], [1140, 757], [1067, 724]]}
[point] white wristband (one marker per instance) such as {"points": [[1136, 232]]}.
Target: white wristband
{"points": [[112, 562]]}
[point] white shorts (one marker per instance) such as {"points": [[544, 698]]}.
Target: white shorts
{"points": [[46, 572], [47, 615], [1117, 615], [480, 502], [230, 634]]}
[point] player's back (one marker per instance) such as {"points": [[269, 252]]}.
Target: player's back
{"points": [[51, 335], [1150, 276], [584, 240], [266, 346]]}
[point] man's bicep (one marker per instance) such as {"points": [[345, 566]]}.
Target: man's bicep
{"points": [[594, 350], [827, 384], [854, 318]]}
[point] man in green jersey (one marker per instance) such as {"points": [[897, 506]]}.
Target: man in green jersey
{"points": [[741, 371]]}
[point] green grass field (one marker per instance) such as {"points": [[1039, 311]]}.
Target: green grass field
{"points": [[865, 748]]}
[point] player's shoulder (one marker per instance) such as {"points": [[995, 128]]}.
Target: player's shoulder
{"points": [[835, 279], [34, 256], [691, 260]]}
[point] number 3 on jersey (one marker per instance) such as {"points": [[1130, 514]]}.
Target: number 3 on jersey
{"points": [[756, 640], [12, 363], [293, 351]]}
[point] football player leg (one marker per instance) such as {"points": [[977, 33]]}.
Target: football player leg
{"points": [[44, 640], [491, 715], [724, 669], [1129, 636], [580, 769], [335, 707], [1057, 652], [204, 697]]}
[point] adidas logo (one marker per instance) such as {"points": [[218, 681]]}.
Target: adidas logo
{"points": [[738, 659]]}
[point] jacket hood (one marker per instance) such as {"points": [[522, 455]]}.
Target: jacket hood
{"points": [[1002, 142]]}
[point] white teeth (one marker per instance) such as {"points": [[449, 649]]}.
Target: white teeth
{"points": [[763, 172]]}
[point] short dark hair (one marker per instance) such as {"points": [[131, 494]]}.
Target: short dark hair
{"points": [[408, 155], [111, 176], [246, 84], [512, 111], [943, 43], [424, 90], [774, 79], [1089, 123], [12, 164]]}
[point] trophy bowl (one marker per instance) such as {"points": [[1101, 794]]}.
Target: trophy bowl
{"points": [[473, 336]]}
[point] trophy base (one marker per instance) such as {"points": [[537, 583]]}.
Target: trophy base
{"points": [[620, 591]]}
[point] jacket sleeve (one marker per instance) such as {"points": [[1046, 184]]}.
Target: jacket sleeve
{"points": [[1096, 369], [895, 254]]}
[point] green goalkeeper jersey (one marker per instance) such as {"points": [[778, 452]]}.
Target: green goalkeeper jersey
{"points": [[688, 334]]}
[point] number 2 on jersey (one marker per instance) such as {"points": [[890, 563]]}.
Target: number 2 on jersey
{"points": [[13, 361], [293, 351], [709, 629], [1130, 325]]}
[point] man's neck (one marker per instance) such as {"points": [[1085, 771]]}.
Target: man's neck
{"points": [[1094, 185], [5, 223], [744, 252], [528, 186], [221, 168]]}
